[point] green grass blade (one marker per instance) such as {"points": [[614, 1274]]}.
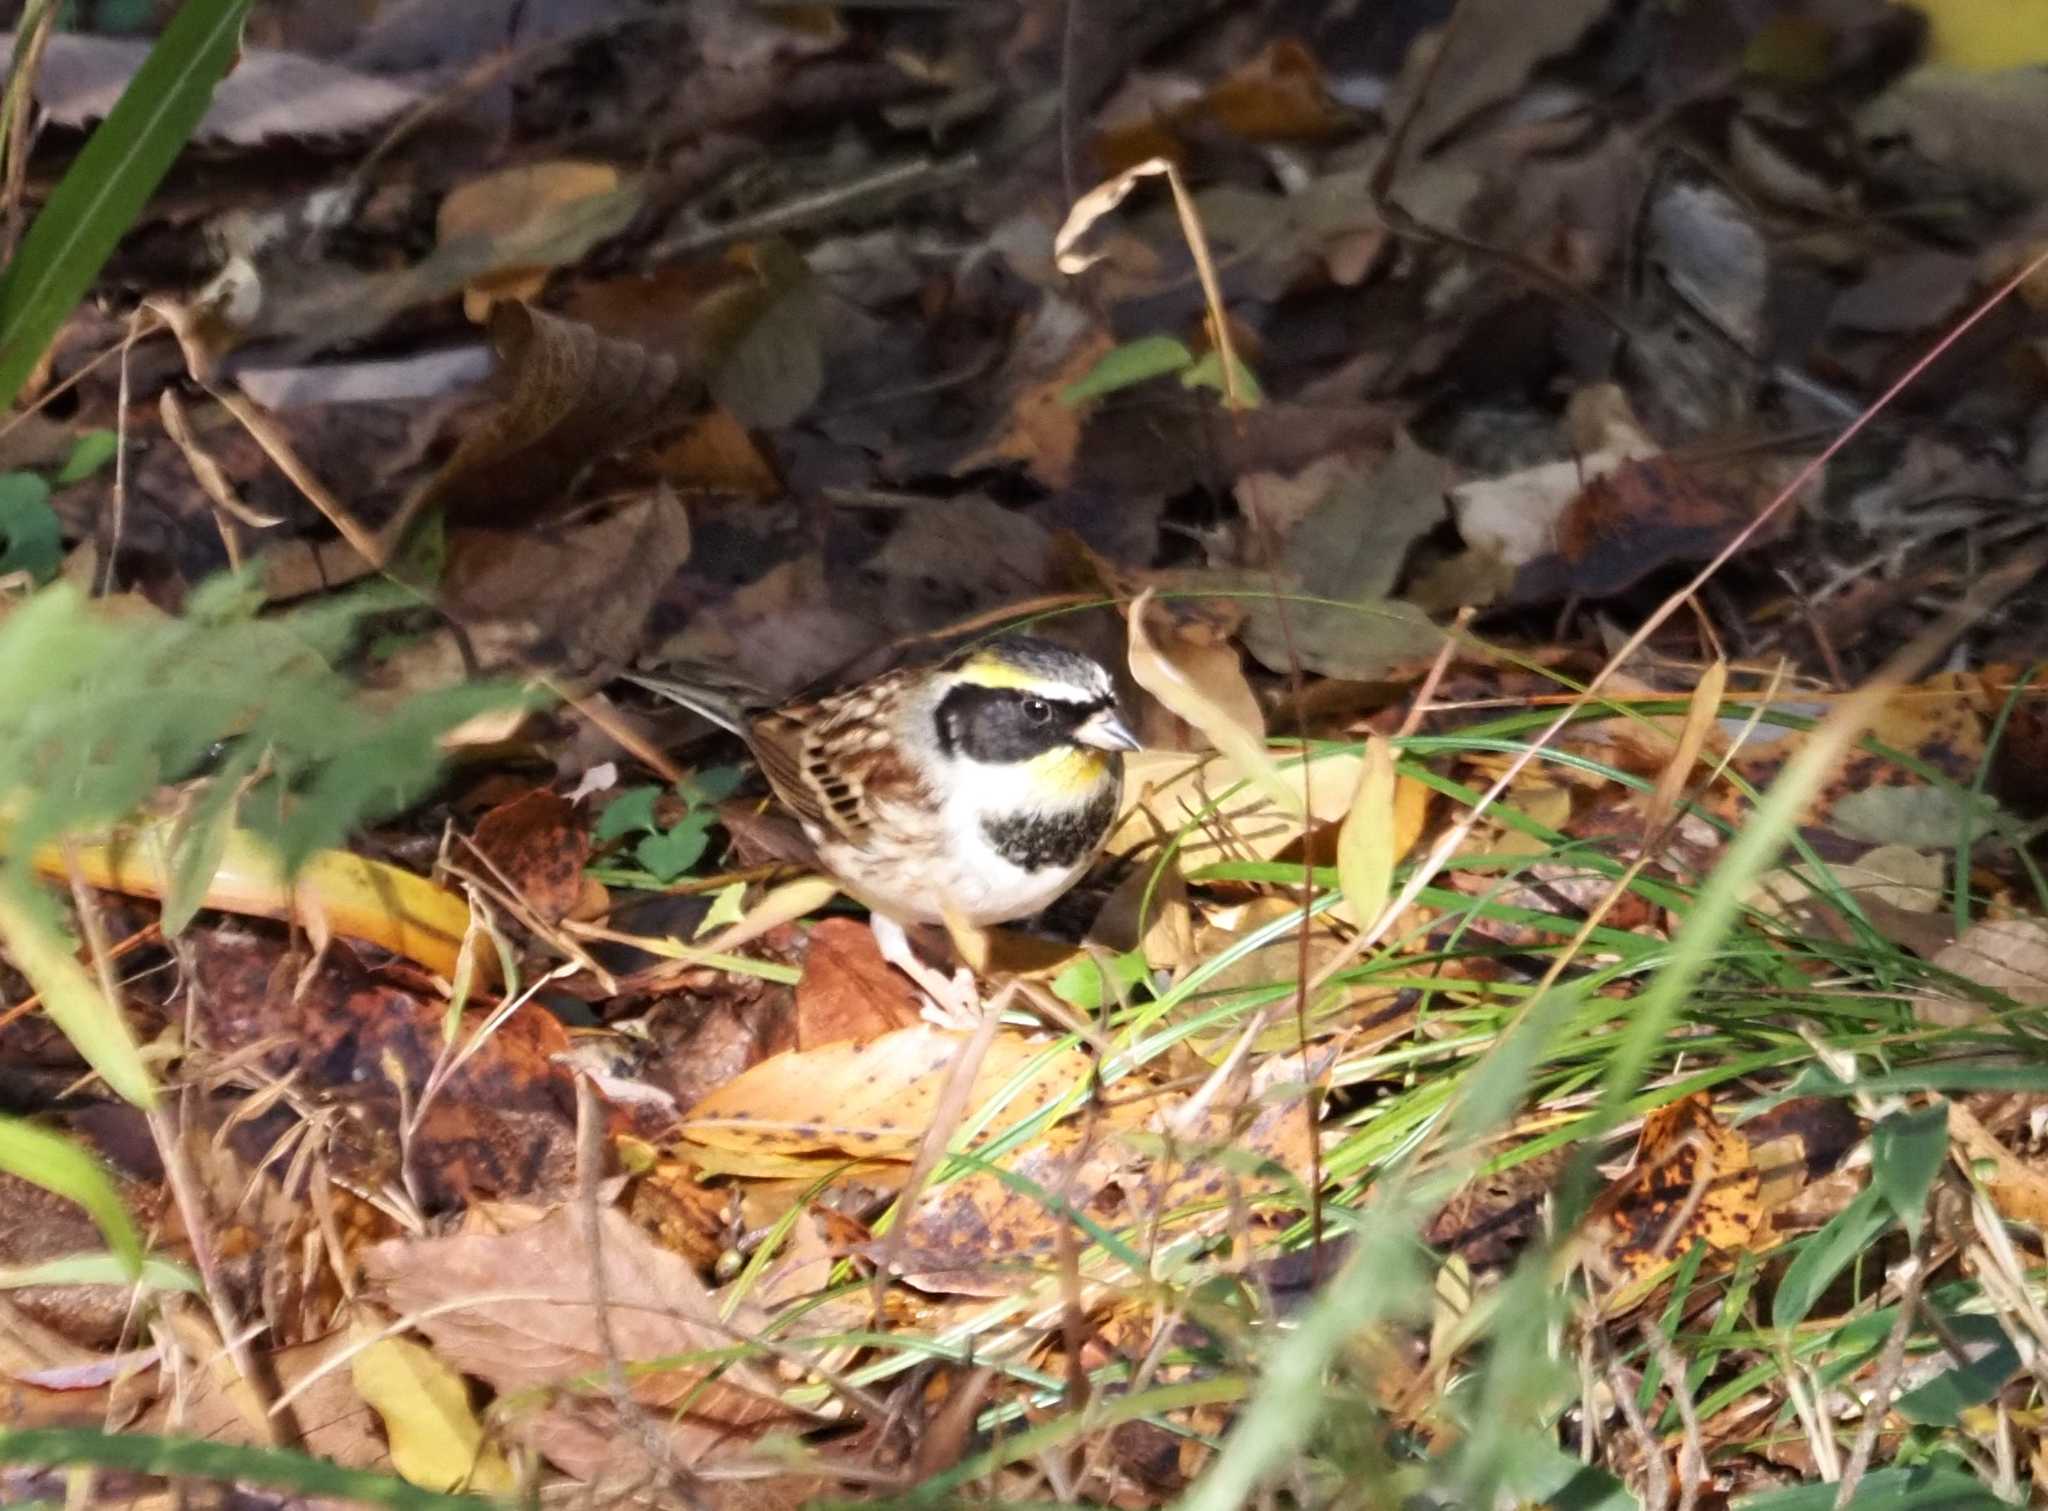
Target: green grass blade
{"points": [[58, 1447], [55, 1163], [116, 171], [71, 998]]}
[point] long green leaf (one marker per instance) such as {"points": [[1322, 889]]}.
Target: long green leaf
{"points": [[278, 1468], [71, 998], [55, 1163], [116, 171]]}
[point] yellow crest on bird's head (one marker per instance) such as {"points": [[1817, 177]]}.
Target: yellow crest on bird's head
{"points": [[990, 669]]}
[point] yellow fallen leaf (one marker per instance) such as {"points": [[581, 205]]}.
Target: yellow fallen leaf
{"points": [[874, 1097], [1365, 843], [436, 1440], [343, 894], [1985, 35], [1216, 714], [1168, 790]]}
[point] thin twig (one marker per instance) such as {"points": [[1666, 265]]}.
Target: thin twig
{"points": [[1657, 1473], [1692, 1459], [1912, 1275], [920, 175], [180, 1177], [589, 1177]]}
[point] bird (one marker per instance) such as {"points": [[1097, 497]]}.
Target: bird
{"points": [[973, 791]]}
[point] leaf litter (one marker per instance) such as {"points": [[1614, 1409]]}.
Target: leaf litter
{"points": [[1354, 391]]}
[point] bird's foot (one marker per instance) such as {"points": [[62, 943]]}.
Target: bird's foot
{"points": [[950, 1001]]}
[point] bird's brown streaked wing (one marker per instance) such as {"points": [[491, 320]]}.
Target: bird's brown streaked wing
{"points": [[779, 743]]}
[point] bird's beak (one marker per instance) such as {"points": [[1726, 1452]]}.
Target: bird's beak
{"points": [[1105, 730]]}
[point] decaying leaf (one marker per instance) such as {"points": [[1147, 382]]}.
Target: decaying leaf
{"points": [[538, 844], [1695, 1180], [576, 397], [502, 206], [1345, 556], [1149, 1173], [849, 991], [523, 1319], [1494, 47]]}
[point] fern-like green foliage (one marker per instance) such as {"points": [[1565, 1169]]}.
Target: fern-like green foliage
{"points": [[99, 709]]}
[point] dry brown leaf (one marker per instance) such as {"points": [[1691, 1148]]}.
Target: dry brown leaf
{"points": [[874, 1098], [522, 1320], [1216, 706], [1042, 430], [2016, 1189], [848, 990], [338, 1426], [1277, 96], [982, 1235], [715, 453], [577, 598], [499, 206], [539, 844], [1270, 1114], [1495, 46], [576, 397], [267, 94], [2008, 955]]}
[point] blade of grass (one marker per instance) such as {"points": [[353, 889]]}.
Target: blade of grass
{"points": [[55, 1163], [63, 1447], [72, 999], [106, 187]]}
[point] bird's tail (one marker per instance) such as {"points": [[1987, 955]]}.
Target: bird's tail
{"points": [[701, 691]]}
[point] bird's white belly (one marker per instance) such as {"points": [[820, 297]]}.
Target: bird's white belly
{"points": [[967, 878]]}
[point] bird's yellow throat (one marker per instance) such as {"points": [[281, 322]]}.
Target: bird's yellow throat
{"points": [[1068, 772]]}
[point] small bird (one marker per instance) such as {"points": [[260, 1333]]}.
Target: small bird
{"points": [[978, 789]]}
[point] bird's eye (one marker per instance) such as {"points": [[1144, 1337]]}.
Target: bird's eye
{"points": [[1037, 710]]}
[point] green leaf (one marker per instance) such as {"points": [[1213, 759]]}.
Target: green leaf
{"points": [[92, 451], [714, 784], [110, 182], [728, 907], [33, 537], [631, 812], [667, 856], [1925, 1487], [278, 1468], [1080, 981], [1133, 362], [1942, 1401], [98, 1269], [1825, 1255], [33, 1153], [1906, 1151], [1208, 373], [71, 997], [198, 844]]}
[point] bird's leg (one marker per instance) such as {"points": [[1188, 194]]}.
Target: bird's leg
{"points": [[950, 1001]]}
